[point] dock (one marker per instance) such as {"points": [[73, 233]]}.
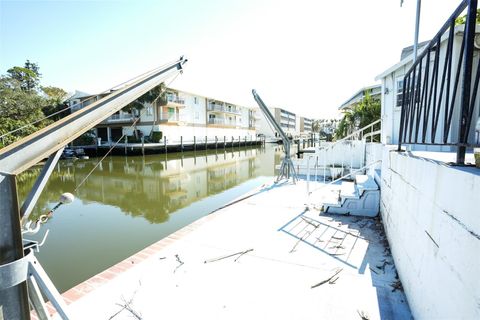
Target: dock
{"points": [[170, 147], [264, 256]]}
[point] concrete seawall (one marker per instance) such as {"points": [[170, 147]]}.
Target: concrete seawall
{"points": [[432, 220]]}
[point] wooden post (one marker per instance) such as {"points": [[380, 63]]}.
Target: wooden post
{"points": [[216, 143], [181, 146], [206, 141], [233, 139], [194, 143], [224, 142], [245, 141], [165, 143], [126, 141], [239, 140], [143, 145]]}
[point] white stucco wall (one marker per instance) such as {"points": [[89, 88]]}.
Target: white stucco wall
{"points": [[432, 220]]}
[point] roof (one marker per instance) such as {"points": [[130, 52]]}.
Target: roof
{"points": [[360, 94], [407, 52], [79, 95]]}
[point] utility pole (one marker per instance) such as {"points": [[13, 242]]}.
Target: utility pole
{"points": [[417, 27]]}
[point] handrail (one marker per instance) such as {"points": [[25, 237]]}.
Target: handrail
{"points": [[441, 88], [372, 134], [344, 176], [351, 135]]}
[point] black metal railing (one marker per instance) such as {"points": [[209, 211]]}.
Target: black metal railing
{"points": [[441, 87]]}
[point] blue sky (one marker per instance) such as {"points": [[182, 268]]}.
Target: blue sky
{"points": [[306, 56]]}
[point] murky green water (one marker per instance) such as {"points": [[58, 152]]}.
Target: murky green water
{"points": [[129, 203]]}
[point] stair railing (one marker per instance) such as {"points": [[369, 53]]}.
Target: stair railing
{"points": [[325, 185], [325, 156]]}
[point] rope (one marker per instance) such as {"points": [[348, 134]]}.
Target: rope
{"points": [[118, 141]]}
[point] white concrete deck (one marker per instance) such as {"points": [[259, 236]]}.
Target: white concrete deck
{"points": [[273, 281]]}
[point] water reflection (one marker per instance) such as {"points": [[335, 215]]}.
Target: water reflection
{"points": [[155, 186], [128, 203]]}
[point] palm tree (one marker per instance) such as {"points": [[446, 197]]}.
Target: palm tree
{"points": [[364, 113]]}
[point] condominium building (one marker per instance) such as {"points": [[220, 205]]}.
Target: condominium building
{"points": [[182, 116], [305, 126]]}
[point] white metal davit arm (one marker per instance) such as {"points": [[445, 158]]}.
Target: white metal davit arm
{"points": [[286, 168], [21, 155]]}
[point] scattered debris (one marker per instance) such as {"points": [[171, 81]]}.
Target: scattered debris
{"points": [[180, 263], [397, 285], [385, 262], [241, 253], [371, 269], [127, 305], [301, 239], [310, 222], [161, 258], [333, 278], [363, 315], [337, 247], [338, 238]]}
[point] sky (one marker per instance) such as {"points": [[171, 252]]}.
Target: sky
{"points": [[305, 56]]}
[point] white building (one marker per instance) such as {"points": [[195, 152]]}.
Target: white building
{"points": [[184, 117], [392, 92]]}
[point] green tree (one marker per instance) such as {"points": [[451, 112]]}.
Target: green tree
{"points": [[157, 94], [54, 102], [359, 116], [463, 19], [28, 76], [18, 108]]}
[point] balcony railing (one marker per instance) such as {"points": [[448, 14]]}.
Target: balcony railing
{"points": [[221, 121], [175, 99], [220, 108], [169, 117], [439, 100], [120, 117]]}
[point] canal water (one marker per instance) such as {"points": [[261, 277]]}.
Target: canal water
{"points": [[128, 203]]}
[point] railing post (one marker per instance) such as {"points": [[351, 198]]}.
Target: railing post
{"points": [[402, 115], [467, 79]]}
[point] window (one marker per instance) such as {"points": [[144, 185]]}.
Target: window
{"points": [[149, 111], [399, 92]]}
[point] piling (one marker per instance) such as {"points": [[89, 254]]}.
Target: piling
{"points": [[126, 141], [206, 142], [216, 143], [181, 144], [194, 143], [224, 142], [165, 143], [143, 145]]}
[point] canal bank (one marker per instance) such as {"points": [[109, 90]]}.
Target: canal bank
{"points": [[265, 257]]}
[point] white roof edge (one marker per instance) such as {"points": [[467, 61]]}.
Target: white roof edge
{"points": [[458, 29], [377, 85]]}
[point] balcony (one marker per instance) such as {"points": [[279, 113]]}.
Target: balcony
{"points": [[220, 108], [169, 117], [222, 122], [120, 117], [174, 100]]}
